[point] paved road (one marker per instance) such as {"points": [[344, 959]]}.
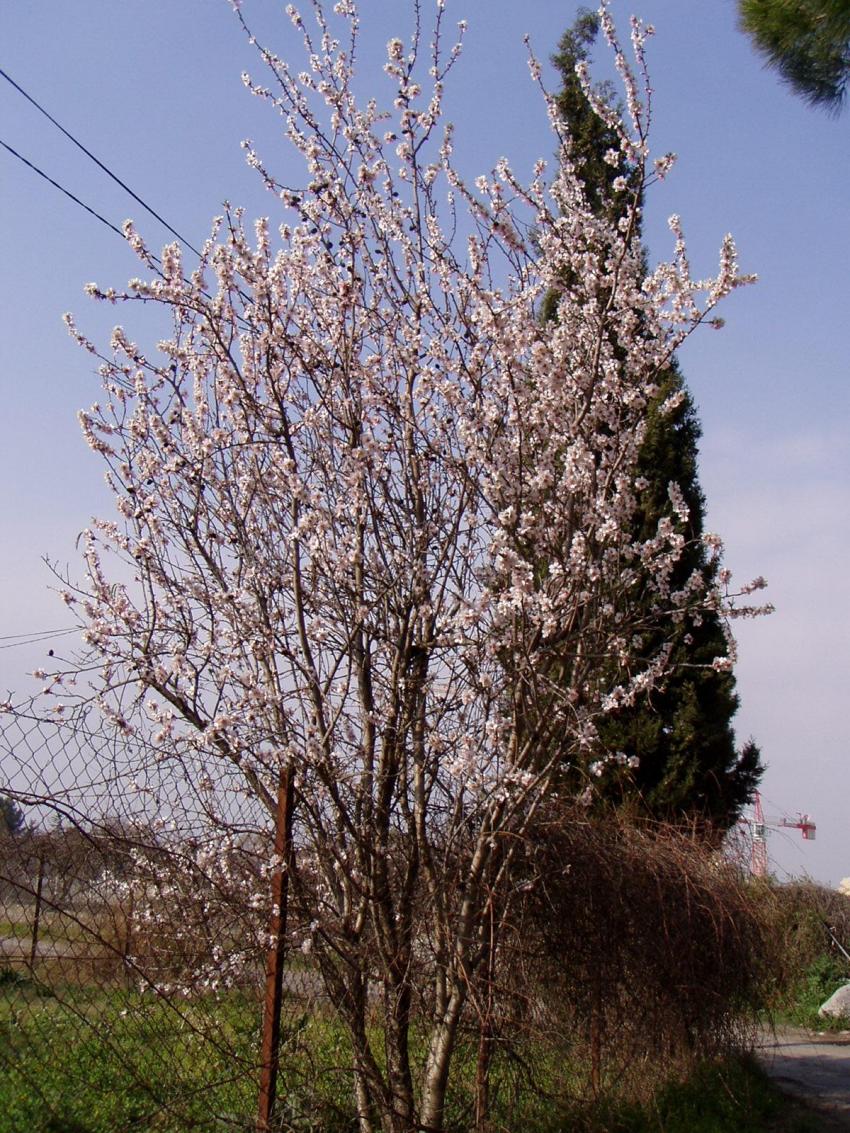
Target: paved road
{"points": [[18, 948], [812, 1067]]}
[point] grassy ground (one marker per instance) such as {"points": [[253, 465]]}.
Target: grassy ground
{"points": [[74, 1060], [98, 1063], [731, 1097], [16, 929], [117, 1062], [799, 1007]]}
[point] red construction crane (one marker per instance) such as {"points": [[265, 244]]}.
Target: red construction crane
{"points": [[758, 856], [759, 827]]}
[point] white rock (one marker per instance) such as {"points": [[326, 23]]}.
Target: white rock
{"points": [[838, 1004]]}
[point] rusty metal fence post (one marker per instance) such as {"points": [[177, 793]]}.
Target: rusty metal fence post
{"points": [[36, 919], [277, 950]]}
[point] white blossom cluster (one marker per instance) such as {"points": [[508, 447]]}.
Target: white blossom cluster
{"points": [[197, 913]]}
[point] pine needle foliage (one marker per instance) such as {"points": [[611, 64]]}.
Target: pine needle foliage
{"points": [[806, 41]]}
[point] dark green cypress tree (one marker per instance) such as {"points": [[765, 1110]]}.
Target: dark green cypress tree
{"points": [[806, 41], [689, 768], [11, 816]]}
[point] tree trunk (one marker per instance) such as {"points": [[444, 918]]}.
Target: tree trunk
{"points": [[486, 1029], [399, 1078], [436, 1077]]}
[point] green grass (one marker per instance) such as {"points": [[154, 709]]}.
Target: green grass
{"points": [[114, 1062], [77, 1061], [800, 1006], [15, 929], [103, 1067], [734, 1096], [730, 1096]]}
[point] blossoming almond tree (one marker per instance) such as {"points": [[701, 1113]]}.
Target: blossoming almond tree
{"points": [[378, 519]]}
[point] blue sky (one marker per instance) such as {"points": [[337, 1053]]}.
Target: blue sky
{"points": [[153, 88]]}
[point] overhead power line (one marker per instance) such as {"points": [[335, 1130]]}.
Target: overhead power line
{"points": [[93, 212], [14, 640], [97, 162], [62, 189]]}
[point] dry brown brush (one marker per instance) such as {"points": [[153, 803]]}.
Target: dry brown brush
{"points": [[635, 952], [809, 926]]}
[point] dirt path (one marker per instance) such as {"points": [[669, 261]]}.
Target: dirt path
{"points": [[813, 1067]]}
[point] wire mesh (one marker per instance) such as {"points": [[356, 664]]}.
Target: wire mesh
{"points": [[137, 903], [134, 916]]}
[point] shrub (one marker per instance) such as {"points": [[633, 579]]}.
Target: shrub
{"points": [[809, 925], [638, 951]]}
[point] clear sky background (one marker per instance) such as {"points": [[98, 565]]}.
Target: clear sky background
{"points": [[153, 88]]}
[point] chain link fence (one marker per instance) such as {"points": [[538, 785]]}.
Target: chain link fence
{"points": [[135, 922], [150, 978]]}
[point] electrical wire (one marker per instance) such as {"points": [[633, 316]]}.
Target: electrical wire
{"points": [[36, 637], [97, 161], [242, 322], [62, 189], [93, 212]]}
